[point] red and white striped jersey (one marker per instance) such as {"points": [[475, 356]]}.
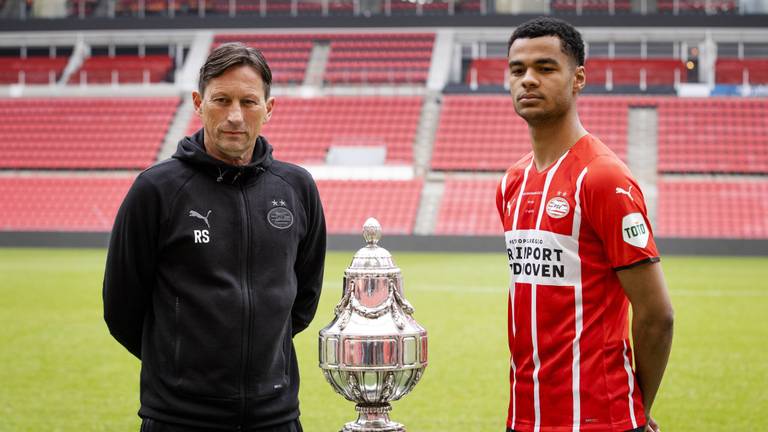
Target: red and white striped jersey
{"points": [[568, 229]]}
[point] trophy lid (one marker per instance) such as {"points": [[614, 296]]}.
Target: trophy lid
{"points": [[372, 258]]}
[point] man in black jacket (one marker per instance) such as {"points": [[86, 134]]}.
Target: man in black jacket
{"points": [[216, 262]]}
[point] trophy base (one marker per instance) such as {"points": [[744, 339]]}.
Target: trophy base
{"points": [[373, 418]]}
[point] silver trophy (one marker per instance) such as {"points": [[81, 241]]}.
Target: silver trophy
{"points": [[373, 351]]}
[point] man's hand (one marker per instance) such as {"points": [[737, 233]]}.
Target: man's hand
{"points": [[652, 426]]}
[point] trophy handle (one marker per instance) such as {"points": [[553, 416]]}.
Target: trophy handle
{"points": [[404, 305]]}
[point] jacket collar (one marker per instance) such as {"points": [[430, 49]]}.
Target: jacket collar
{"points": [[192, 150]]}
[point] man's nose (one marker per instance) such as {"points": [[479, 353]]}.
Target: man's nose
{"points": [[235, 114], [529, 79]]}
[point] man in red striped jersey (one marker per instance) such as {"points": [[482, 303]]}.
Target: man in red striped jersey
{"points": [[580, 248]]}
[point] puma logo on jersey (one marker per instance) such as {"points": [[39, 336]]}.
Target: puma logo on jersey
{"points": [[195, 214], [628, 193]]}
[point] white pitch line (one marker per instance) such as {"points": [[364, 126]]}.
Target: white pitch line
{"points": [[718, 293], [469, 289]]}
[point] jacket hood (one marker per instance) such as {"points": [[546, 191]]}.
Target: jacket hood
{"points": [[192, 150]]}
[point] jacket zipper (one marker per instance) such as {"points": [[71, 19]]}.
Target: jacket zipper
{"points": [[248, 312]]}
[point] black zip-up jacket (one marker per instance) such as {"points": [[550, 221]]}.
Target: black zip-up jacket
{"points": [[211, 270]]}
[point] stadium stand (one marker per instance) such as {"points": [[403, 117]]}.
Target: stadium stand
{"points": [[31, 70], [380, 58], [475, 131], [483, 133], [48, 203], [83, 133], [741, 71], [272, 7], [287, 54], [302, 130], [401, 7], [354, 58], [725, 135], [285, 7], [636, 72], [591, 6], [53, 203], [468, 208], [84, 7], [713, 209], [348, 204], [123, 69], [697, 6]]}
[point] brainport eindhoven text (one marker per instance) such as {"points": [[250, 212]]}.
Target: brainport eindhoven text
{"points": [[546, 261]]}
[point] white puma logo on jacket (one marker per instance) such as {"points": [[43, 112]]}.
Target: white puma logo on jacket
{"points": [[199, 216]]}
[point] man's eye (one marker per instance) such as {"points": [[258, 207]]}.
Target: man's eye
{"points": [[249, 102], [516, 72], [219, 100]]}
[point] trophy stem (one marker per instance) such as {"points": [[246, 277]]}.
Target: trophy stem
{"points": [[373, 418]]}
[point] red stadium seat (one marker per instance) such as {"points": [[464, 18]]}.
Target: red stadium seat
{"points": [[32, 70], [49, 203], [713, 209], [123, 69], [726, 135], [468, 208], [88, 133], [347, 204], [734, 71], [697, 6], [379, 59]]}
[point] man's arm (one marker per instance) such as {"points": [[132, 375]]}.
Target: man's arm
{"points": [[309, 264], [129, 273], [652, 326]]}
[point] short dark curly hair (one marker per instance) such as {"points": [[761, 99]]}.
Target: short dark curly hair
{"points": [[572, 44], [234, 54]]}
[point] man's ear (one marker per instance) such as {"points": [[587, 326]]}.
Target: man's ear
{"points": [[579, 79], [270, 106], [197, 99]]}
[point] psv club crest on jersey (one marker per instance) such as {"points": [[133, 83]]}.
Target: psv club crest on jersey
{"points": [[558, 207]]}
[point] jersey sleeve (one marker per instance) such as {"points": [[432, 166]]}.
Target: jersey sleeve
{"points": [[615, 207], [500, 198]]}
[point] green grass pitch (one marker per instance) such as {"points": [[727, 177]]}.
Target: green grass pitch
{"points": [[61, 371]]}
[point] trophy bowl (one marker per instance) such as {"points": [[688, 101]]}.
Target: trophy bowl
{"points": [[373, 352]]}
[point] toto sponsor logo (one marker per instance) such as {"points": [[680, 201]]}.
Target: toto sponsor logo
{"points": [[558, 207], [280, 218], [634, 231]]}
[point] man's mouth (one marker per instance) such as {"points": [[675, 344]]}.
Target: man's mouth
{"points": [[528, 96]]}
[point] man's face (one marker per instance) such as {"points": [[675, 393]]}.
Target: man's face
{"points": [[543, 80], [233, 110]]}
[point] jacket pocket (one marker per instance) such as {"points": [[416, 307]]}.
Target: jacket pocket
{"points": [[206, 350], [273, 376]]}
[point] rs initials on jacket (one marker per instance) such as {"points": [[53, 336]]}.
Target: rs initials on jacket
{"points": [[201, 235]]}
